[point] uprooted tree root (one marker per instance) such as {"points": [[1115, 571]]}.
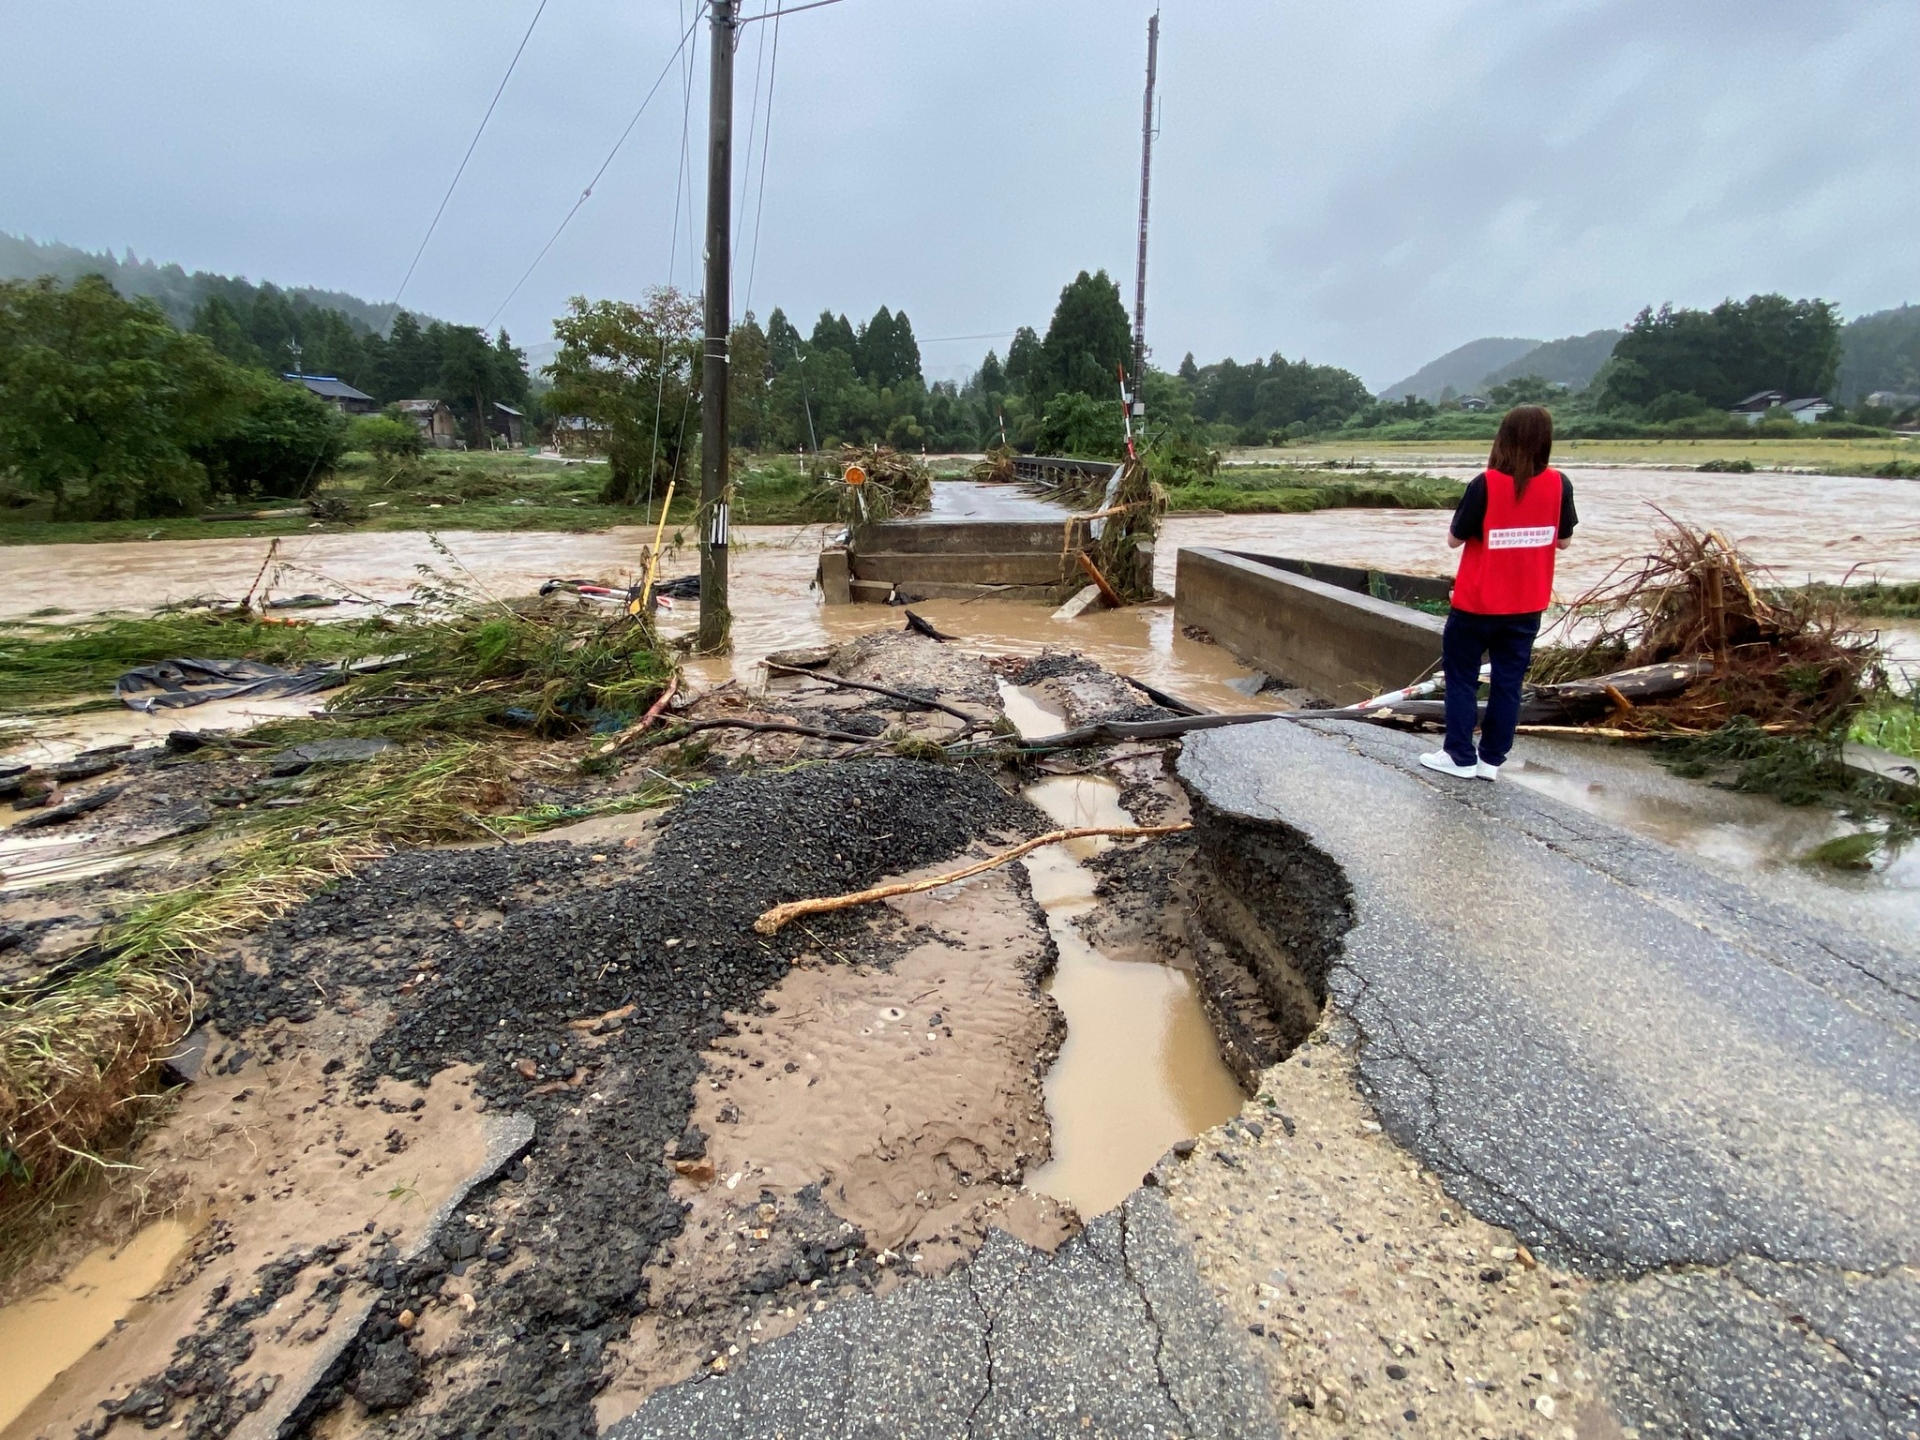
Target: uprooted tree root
{"points": [[1792, 663]]}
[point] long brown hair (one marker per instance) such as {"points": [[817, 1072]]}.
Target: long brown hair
{"points": [[1524, 445]]}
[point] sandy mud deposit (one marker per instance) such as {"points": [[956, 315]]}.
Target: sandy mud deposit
{"points": [[503, 1139]]}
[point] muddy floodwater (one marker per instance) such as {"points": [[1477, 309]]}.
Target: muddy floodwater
{"points": [[1140, 1068], [47, 1331]]}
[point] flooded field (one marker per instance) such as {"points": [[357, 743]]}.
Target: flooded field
{"points": [[1803, 527]]}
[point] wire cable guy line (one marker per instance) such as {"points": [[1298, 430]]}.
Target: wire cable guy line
{"points": [[587, 193], [471, 146], [790, 10]]}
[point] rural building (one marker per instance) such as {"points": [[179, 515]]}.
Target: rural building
{"points": [[1475, 402], [337, 393], [1892, 400], [577, 435], [1758, 404], [1807, 410], [508, 425], [435, 420]]}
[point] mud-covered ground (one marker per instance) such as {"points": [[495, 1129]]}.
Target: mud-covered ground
{"points": [[586, 988]]}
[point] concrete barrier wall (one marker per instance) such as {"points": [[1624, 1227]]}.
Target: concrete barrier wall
{"points": [[1338, 644]]}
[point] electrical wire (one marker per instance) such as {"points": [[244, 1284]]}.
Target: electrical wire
{"points": [[790, 10], [587, 193], [471, 145], [766, 140]]}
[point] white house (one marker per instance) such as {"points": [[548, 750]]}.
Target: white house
{"points": [[1763, 403]]}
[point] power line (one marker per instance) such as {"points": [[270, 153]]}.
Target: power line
{"points": [[587, 193], [790, 10], [766, 140], [471, 144], [944, 339]]}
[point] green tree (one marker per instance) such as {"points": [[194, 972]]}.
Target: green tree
{"points": [[749, 374], [102, 400], [885, 352], [1023, 361], [1722, 355], [833, 332], [783, 341], [1075, 423], [1087, 341], [1526, 390], [634, 370], [227, 332], [282, 441]]}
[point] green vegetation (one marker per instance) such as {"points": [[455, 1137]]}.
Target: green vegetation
{"points": [[43, 664], [1290, 490], [1672, 362], [477, 681], [112, 413], [633, 371]]}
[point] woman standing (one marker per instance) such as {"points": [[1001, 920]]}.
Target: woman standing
{"points": [[1512, 520]]}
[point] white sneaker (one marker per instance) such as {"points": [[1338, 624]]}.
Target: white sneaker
{"points": [[1486, 771], [1443, 762]]}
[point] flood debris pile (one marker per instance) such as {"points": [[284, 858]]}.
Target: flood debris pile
{"points": [[1120, 508], [895, 484], [1791, 662]]}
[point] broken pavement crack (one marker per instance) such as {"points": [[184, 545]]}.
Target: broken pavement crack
{"points": [[1153, 1320]]}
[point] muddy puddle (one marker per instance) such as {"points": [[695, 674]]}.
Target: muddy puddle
{"points": [[1140, 1068], [43, 1334]]}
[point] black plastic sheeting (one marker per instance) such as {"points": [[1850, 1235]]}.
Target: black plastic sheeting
{"points": [[177, 684]]}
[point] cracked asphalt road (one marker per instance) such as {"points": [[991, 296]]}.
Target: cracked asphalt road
{"points": [[1652, 1075], [1114, 1335]]}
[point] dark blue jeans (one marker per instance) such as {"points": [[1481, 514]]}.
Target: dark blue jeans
{"points": [[1508, 641]]}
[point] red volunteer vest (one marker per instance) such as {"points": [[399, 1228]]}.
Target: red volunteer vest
{"points": [[1509, 571]]}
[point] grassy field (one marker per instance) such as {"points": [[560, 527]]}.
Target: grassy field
{"points": [[1290, 489], [450, 491], [1831, 457]]}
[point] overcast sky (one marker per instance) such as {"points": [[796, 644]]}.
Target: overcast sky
{"points": [[1366, 184]]}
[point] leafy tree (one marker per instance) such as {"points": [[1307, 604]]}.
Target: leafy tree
{"points": [[1189, 372], [1722, 355], [282, 441], [1881, 352], [388, 436], [1087, 340], [226, 332], [832, 332], [1075, 423], [783, 341], [1024, 362], [1525, 390], [1275, 395], [103, 401], [885, 352], [635, 371], [749, 375], [992, 378]]}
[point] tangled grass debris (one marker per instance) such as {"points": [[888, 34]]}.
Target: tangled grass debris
{"points": [[474, 688]]}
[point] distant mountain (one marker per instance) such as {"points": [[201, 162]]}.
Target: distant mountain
{"points": [[175, 290], [1572, 362], [1880, 352], [1463, 369]]}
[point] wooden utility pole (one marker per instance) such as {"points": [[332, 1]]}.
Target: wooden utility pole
{"points": [[1146, 178], [716, 621]]}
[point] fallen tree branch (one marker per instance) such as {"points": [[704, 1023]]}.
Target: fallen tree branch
{"points": [[779, 915], [620, 741], [918, 702]]}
